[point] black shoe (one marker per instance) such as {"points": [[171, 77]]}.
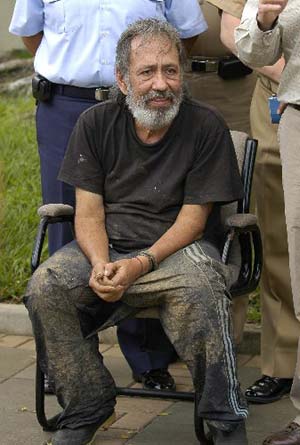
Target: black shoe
{"points": [[268, 389], [159, 379], [49, 387], [81, 436]]}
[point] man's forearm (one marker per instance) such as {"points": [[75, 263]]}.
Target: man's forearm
{"points": [[188, 227], [228, 24], [90, 226], [33, 42], [255, 47], [92, 238]]}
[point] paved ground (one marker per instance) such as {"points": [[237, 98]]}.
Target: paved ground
{"points": [[139, 421]]}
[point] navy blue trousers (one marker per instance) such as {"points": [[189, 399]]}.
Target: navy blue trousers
{"points": [[55, 121]]}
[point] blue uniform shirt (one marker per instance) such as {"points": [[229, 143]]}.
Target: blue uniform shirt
{"points": [[80, 36]]}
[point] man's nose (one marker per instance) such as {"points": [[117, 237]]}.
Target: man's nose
{"points": [[159, 82]]}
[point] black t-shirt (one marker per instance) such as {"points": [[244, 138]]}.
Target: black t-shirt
{"points": [[145, 185]]}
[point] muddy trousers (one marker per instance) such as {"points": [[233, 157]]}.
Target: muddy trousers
{"points": [[189, 288]]}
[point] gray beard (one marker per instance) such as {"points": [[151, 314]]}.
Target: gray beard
{"points": [[149, 118]]}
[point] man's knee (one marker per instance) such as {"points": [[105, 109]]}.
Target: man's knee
{"points": [[40, 290]]}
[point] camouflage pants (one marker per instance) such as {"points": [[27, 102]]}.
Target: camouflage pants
{"points": [[189, 288]]}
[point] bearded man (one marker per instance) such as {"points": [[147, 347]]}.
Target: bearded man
{"points": [[151, 169]]}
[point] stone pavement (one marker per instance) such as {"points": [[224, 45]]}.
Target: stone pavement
{"points": [[139, 421]]}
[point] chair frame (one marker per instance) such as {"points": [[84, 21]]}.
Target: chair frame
{"points": [[250, 271]]}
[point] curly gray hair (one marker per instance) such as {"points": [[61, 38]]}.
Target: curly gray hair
{"points": [[146, 28]]}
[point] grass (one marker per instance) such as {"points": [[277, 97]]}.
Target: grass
{"points": [[15, 54], [254, 315], [19, 54], [19, 193]]}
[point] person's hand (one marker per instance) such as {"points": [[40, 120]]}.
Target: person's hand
{"points": [[124, 272], [268, 11], [109, 281], [103, 286], [282, 107]]}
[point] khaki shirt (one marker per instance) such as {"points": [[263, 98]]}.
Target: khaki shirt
{"points": [[209, 43], [236, 8], [209, 87], [233, 7]]}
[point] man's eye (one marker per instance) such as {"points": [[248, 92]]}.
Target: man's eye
{"points": [[171, 71], [146, 73]]}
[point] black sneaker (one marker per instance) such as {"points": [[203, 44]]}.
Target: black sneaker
{"points": [[159, 379], [81, 436]]}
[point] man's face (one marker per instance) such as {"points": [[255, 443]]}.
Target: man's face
{"points": [[154, 83]]}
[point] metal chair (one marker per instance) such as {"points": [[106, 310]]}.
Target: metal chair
{"points": [[242, 248]]}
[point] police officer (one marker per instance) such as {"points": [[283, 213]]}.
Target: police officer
{"points": [[280, 328], [74, 47], [230, 94]]}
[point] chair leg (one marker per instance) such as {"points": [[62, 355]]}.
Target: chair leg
{"points": [[200, 433]]}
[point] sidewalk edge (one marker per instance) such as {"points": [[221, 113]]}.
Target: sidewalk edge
{"points": [[14, 320]]}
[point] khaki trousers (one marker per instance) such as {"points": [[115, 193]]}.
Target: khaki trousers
{"points": [[289, 137], [232, 98], [280, 328]]}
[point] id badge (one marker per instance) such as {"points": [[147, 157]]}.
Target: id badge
{"points": [[273, 107]]}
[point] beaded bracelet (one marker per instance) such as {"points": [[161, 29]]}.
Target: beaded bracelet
{"points": [[151, 258]]}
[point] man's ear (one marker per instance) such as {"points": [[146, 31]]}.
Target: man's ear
{"points": [[121, 82]]}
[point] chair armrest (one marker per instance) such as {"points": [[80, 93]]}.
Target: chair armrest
{"points": [[49, 214], [55, 210], [241, 221]]}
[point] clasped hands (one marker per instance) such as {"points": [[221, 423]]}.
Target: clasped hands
{"points": [[268, 11], [110, 280]]}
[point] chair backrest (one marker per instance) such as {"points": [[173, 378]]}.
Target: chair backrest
{"points": [[240, 257], [240, 143]]}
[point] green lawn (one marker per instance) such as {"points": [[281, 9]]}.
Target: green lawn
{"points": [[19, 193], [254, 315]]}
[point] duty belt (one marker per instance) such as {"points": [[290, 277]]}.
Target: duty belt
{"points": [[100, 94], [205, 64], [227, 67]]}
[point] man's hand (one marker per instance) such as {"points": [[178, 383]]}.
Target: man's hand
{"points": [[282, 107], [124, 272], [103, 286], [109, 281], [268, 11]]}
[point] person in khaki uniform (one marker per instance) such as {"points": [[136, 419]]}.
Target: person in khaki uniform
{"points": [[280, 328], [266, 32], [209, 87]]}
